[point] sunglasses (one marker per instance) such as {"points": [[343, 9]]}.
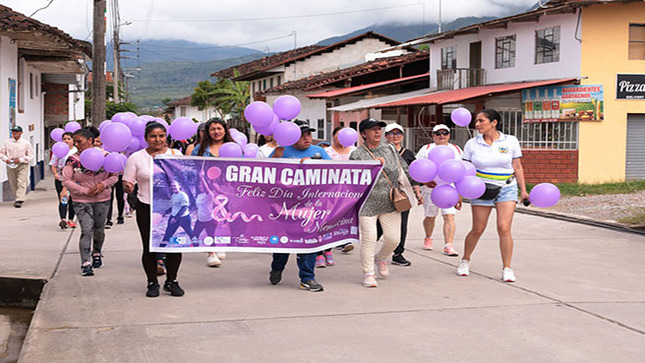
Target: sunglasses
{"points": [[443, 133], [395, 133]]}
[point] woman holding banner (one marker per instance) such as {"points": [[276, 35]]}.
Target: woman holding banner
{"points": [[138, 171], [378, 206], [215, 135]]}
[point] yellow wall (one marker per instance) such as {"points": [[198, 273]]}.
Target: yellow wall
{"points": [[605, 36]]}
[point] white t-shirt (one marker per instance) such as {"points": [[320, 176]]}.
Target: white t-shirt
{"points": [[177, 201], [425, 151], [60, 162], [336, 156], [264, 151], [204, 204], [494, 163], [138, 169]]}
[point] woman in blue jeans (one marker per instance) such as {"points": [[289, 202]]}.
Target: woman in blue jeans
{"points": [[496, 157], [179, 213]]}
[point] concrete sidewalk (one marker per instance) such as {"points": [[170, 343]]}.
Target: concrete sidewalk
{"points": [[580, 296]]}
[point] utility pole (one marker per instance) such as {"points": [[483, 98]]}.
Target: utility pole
{"points": [[98, 64], [115, 76]]}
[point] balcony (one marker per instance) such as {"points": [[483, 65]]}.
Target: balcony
{"points": [[456, 78]]}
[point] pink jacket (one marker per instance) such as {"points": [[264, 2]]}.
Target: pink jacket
{"points": [[79, 181]]}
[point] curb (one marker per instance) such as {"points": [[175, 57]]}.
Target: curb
{"points": [[577, 219]]}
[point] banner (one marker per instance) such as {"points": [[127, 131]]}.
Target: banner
{"points": [[563, 103], [630, 86], [204, 204]]}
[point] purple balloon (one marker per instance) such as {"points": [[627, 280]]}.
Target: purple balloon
{"points": [[114, 162], [57, 134], [183, 128], [124, 118], [451, 170], [138, 126], [267, 130], [103, 124], [347, 136], [444, 196], [230, 150], [258, 113], [441, 153], [471, 187], [544, 195], [470, 168], [72, 126], [423, 170], [147, 118], [134, 145], [60, 149], [250, 150], [286, 133], [92, 158], [287, 107], [461, 117], [116, 137], [241, 139], [142, 142]]}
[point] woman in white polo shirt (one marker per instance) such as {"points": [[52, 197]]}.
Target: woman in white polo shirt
{"points": [[496, 157]]}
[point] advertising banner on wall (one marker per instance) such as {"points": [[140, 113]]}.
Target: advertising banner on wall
{"points": [[563, 103], [630, 86], [12, 104], [269, 205]]}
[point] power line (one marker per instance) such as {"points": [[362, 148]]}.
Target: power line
{"points": [[44, 7], [274, 17], [221, 46]]}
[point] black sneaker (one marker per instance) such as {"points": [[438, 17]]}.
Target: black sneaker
{"points": [[97, 260], [120, 220], [400, 260], [311, 285], [108, 224], [275, 277], [173, 288], [17, 204], [153, 289], [87, 270]]}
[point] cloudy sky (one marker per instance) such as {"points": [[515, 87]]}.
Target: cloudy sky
{"points": [[257, 24]]}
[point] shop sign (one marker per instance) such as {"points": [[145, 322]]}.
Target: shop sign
{"points": [[563, 103], [630, 86]]}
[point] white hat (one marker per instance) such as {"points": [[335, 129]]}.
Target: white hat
{"points": [[440, 127], [393, 126]]}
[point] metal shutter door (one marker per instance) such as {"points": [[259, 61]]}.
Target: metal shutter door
{"points": [[635, 165]]}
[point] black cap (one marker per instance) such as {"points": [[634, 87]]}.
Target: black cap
{"points": [[369, 123], [304, 126]]}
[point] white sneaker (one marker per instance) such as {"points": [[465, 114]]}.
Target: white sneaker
{"points": [[464, 268], [212, 260], [381, 268], [221, 255], [370, 280], [508, 275]]}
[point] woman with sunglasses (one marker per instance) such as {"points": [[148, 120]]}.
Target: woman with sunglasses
{"points": [[440, 136], [496, 156], [394, 135]]}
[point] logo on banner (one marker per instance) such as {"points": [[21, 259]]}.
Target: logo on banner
{"points": [[274, 240]]}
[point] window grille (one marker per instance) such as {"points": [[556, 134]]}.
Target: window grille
{"points": [[505, 52], [448, 58], [547, 45], [541, 135]]}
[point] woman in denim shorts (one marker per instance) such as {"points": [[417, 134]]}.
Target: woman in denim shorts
{"points": [[496, 157]]}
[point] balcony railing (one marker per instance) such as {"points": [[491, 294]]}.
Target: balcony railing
{"points": [[455, 78]]}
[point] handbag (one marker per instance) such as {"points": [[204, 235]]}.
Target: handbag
{"points": [[492, 191], [398, 197]]}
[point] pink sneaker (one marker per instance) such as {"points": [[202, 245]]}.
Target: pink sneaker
{"points": [[448, 250], [320, 261], [381, 268], [329, 258], [370, 281], [427, 243]]}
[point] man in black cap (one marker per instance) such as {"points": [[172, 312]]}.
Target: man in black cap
{"points": [[302, 149], [17, 153]]}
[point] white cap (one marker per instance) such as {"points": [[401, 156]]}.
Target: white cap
{"points": [[440, 127], [393, 126]]}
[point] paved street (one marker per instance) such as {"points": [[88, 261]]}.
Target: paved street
{"points": [[580, 296]]}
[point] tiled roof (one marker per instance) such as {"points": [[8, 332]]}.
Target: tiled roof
{"points": [[180, 102], [258, 66], [265, 62], [13, 23], [321, 80]]}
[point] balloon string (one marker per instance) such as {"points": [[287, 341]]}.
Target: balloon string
{"points": [[224, 215]]}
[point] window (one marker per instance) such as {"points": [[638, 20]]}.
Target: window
{"points": [[637, 41], [264, 84], [279, 80], [271, 83], [31, 85], [540, 135], [547, 45], [448, 58], [321, 129], [505, 52], [182, 111]]}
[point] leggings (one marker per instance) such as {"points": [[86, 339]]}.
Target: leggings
{"points": [[208, 226], [64, 209], [149, 259], [120, 202], [183, 222]]}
